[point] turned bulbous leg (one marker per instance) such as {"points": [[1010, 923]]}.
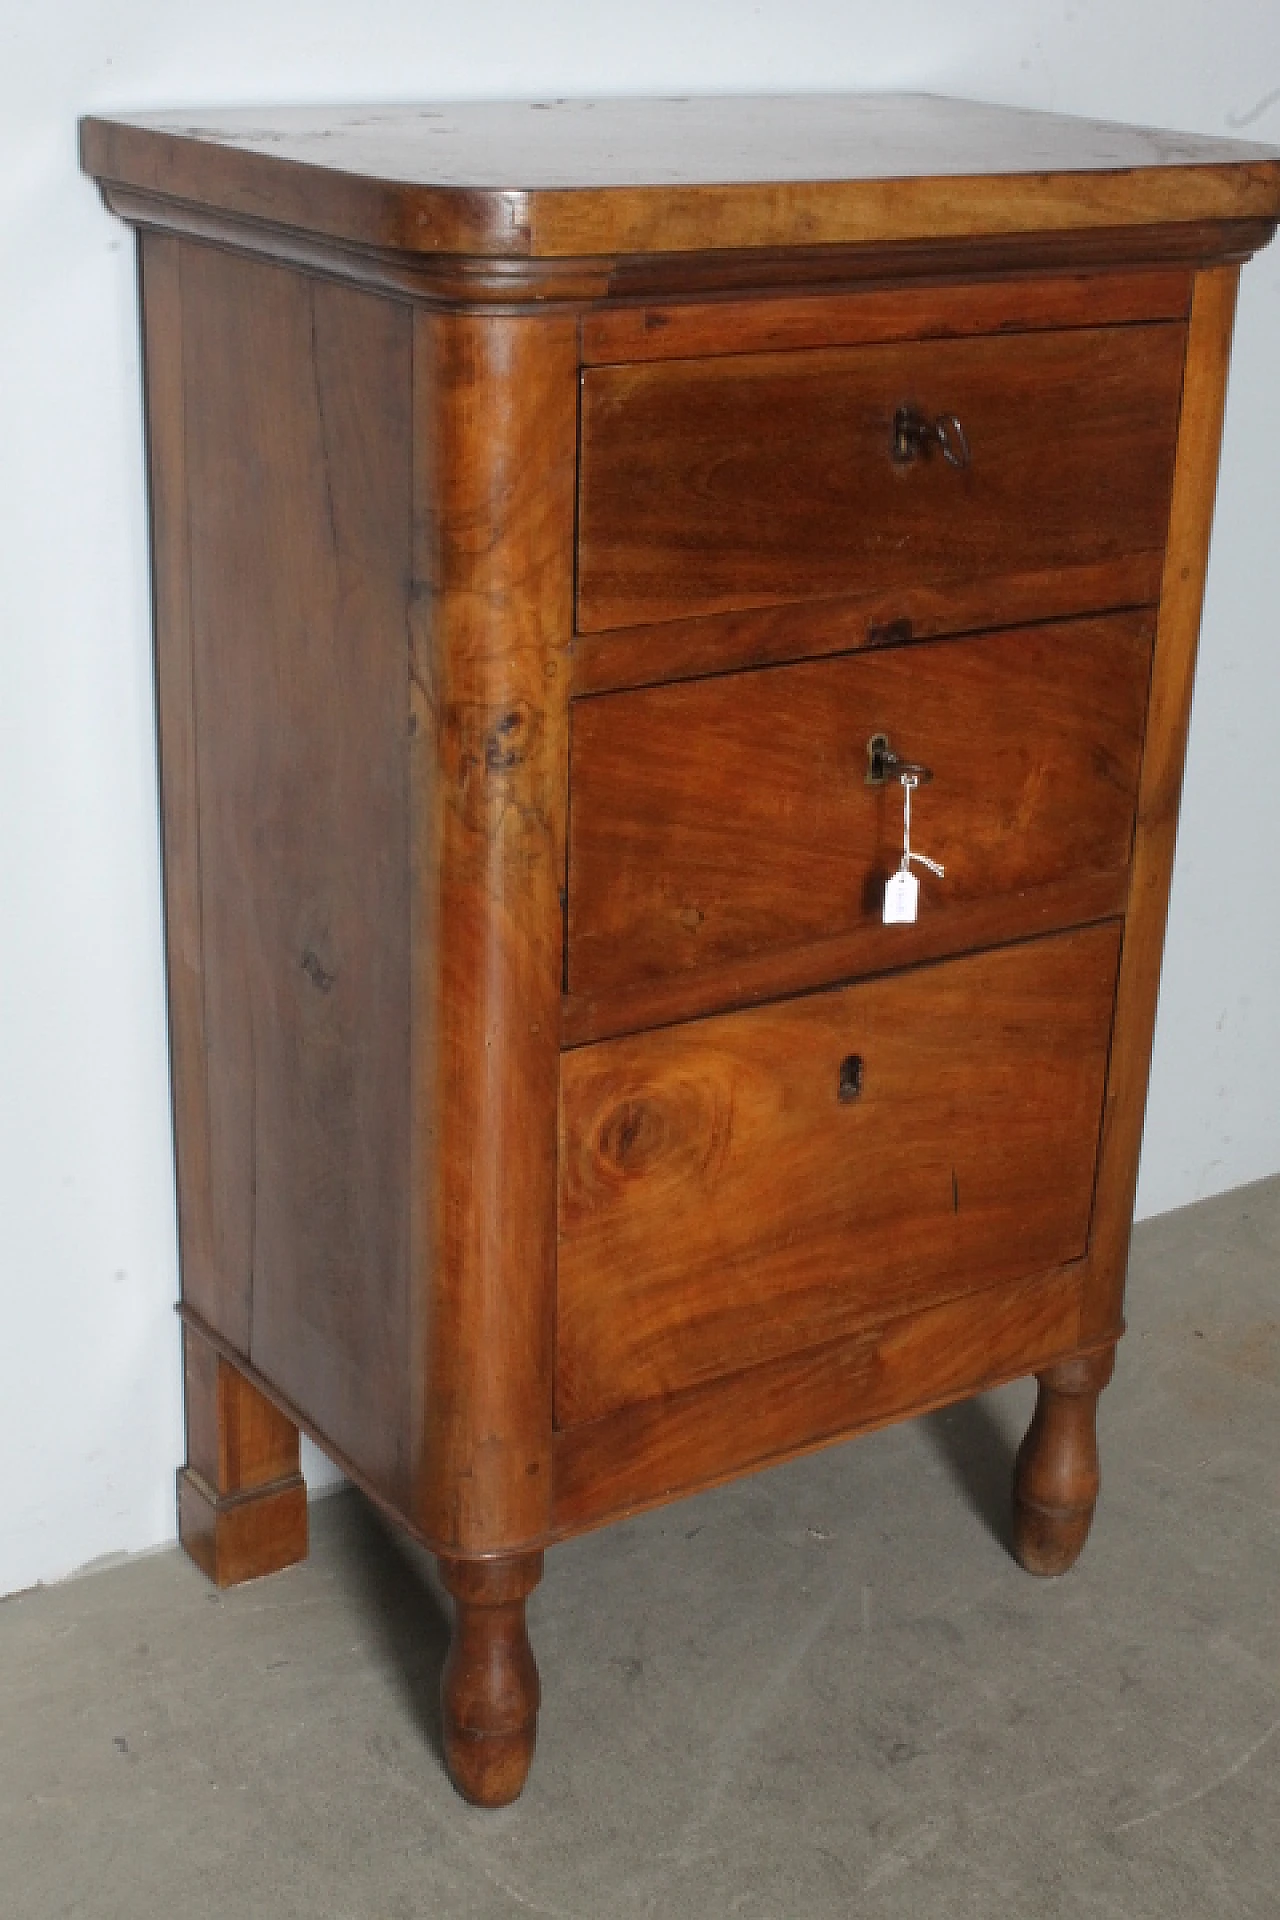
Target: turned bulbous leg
{"points": [[490, 1688], [1055, 1479]]}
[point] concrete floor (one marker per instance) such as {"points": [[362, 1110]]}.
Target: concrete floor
{"points": [[825, 1691]]}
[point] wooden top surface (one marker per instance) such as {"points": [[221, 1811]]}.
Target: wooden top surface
{"points": [[563, 178]]}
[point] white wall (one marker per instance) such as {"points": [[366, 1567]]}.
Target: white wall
{"points": [[89, 1396]]}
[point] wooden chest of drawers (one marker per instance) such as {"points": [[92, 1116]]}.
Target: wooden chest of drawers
{"points": [[571, 525]]}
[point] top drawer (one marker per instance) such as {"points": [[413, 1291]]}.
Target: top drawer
{"points": [[752, 480]]}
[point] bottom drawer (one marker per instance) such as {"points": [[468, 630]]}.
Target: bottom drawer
{"points": [[753, 1184]]}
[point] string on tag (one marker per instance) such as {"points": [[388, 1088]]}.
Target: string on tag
{"points": [[910, 781]]}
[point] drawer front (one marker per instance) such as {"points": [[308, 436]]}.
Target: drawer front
{"points": [[750, 480], [757, 1183], [716, 820]]}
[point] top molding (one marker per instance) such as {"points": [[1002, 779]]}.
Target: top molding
{"points": [[581, 179]]}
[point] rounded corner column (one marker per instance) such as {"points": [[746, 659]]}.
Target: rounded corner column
{"points": [[495, 452]]}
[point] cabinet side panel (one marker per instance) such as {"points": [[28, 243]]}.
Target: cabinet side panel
{"points": [[297, 452], [1160, 789], [219, 1294], [495, 409]]}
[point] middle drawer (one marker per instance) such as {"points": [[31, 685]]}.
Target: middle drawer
{"points": [[724, 839]]}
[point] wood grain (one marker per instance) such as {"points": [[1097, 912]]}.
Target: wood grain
{"points": [[237, 1440], [720, 820], [490, 1690], [660, 1450], [297, 473], [518, 283], [770, 270], [242, 1537], [790, 321], [1056, 1475], [754, 479], [242, 1501], [218, 1289], [494, 436], [1173, 673], [465, 279], [573, 177], [779, 972], [648, 655], [659, 220], [722, 1203]]}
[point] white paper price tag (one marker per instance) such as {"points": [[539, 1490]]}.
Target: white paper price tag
{"points": [[901, 898]]}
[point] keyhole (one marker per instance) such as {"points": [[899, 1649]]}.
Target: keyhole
{"points": [[849, 1083]]}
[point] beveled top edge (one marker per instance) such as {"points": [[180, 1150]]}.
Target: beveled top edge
{"points": [[579, 177]]}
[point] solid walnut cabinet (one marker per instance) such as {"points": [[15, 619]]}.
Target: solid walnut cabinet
{"points": [[563, 514]]}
